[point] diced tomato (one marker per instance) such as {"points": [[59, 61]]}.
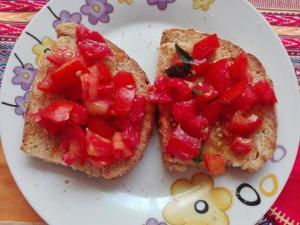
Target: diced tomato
{"points": [[89, 85], [218, 76], [106, 91], [204, 93], [121, 150], [137, 112], [73, 144], [215, 163], [131, 134], [159, 92], [244, 125], [65, 80], [265, 92], [179, 90], [239, 67], [122, 79], [197, 126], [102, 71], [100, 148], [60, 56], [200, 67], [123, 101], [212, 111], [247, 100], [100, 127], [99, 108], [83, 33], [46, 85], [241, 145], [57, 115], [206, 47], [183, 111], [183, 146], [233, 93]]}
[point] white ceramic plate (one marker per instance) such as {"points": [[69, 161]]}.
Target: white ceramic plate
{"points": [[62, 196]]}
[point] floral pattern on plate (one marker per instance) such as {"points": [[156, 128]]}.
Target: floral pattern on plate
{"points": [[97, 10], [161, 4]]}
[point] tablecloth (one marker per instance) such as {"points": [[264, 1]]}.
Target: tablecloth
{"points": [[283, 15]]}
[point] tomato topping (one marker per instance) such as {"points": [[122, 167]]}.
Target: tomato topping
{"points": [[159, 92], [89, 85], [183, 111], [265, 92], [106, 91], [122, 79], [247, 100], [233, 93], [121, 150], [212, 111], [241, 145], [200, 67], [197, 126], [92, 45], [206, 47], [100, 127], [218, 76], [123, 101], [179, 90], [102, 71], [100, 148], [100, 107], [215, 163], [138, 109], [204, 93], [183, 146], [131, 134], [73, 144], [239, 67], [60, 56], [57, 115], [243, 125]]}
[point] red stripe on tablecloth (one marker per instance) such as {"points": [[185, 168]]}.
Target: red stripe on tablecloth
{"points": [[21, 6], [12, 29], [282, 19]]}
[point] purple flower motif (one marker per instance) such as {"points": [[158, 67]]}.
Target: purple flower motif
{"points": [[97, 10], [20, 102], [66, 16], [153, 221], [161, 4], [24, 75]]}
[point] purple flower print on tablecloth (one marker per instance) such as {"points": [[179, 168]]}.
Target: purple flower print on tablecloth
{"points": [[97, 10], [153, 221], [66, 16], [20, 102], [161, 4], [24, 76]]}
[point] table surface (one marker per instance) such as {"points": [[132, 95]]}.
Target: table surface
{"points": [[13, 206]]}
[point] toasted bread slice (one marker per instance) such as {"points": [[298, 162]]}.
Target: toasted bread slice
{"points": [[264, 138], [37, 143]]}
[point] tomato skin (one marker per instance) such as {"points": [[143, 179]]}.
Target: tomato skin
{"points": [[197, 126], [239, 67], [247, 100], [212, 111], [241, 146], [200, 67], [206, 47], [265, 92], [60, 56], [122, 79], [121, 150], [183, 111], [89, 86], [179, 90], [233, 93], [218, 76], [101, 71], [123, 101], [183, 146], [138, 109], [100, 127], [215, 163], [159, 92], [244, 125]]}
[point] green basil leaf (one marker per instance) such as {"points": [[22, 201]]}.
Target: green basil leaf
{"points": [[198, 159], [184, 56], [178, 70]]}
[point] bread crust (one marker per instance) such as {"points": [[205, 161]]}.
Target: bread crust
{"points": [[264, 139], [37, 143]]}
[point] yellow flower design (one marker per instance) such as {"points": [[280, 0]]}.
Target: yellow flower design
{"points": [[42, 48], [198, 202], [128, 2], [202, 4]]}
